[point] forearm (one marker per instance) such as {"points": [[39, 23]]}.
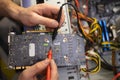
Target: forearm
{"points": [[38, 14], [9, 9]]}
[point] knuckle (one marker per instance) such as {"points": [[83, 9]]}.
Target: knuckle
{"points": [[39, 65]]}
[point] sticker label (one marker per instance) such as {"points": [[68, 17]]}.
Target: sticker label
{"points": [[31, 49]]}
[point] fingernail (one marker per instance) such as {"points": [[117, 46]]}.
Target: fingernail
{"points": [[54, 24]]}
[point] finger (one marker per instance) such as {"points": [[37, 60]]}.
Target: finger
{"points": [[49, 9], [49, 29], [45, 21], [62, 18], [54, 72], [37, 68]]}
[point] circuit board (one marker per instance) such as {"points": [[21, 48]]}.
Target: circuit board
{"points": [[68, 49]]}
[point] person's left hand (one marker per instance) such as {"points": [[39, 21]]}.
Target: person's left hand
{"points": [[44, 14], [32, 72]]}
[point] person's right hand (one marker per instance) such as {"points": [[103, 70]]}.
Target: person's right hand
{"points": [[39, 68]]}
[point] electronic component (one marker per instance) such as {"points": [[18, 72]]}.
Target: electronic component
{"points": [[30, 48], [68, 49]]}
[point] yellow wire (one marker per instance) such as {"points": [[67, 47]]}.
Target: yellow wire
{"points": [[94, 22], [96, 27], [93, 71], [84, 32], [93, 27], [97, 60], [103, 43], [112, 47], [96, 70]]}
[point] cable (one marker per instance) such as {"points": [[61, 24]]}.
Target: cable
{"points": [[77, 4], [106, 42], [59, 17], [116, 76], [114, 46], [81, 16], [104, 61], [95, 55], [94, 69], [96, 58], [95, 31]]}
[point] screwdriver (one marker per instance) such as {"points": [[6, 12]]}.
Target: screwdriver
{"points": [[49, 68]]}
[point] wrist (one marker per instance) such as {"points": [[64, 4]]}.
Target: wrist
{"points": [[10, 9], [14, 10]]}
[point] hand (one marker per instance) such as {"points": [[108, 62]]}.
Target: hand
{"points": [[39, 68], [40, 14]]}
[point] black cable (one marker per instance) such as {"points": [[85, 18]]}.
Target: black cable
{"points": [[105, 62], [59, 17], [89, 70], [103, 65]]}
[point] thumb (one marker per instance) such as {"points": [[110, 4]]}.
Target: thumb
{"points": [[37, 68], [54, 71]]}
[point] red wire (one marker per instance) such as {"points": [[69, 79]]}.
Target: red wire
{"points": [[77, 4], [116, 76]]}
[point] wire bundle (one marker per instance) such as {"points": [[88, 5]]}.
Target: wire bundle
{"points": [[95, 32], [91, 55], [114, 45]]}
